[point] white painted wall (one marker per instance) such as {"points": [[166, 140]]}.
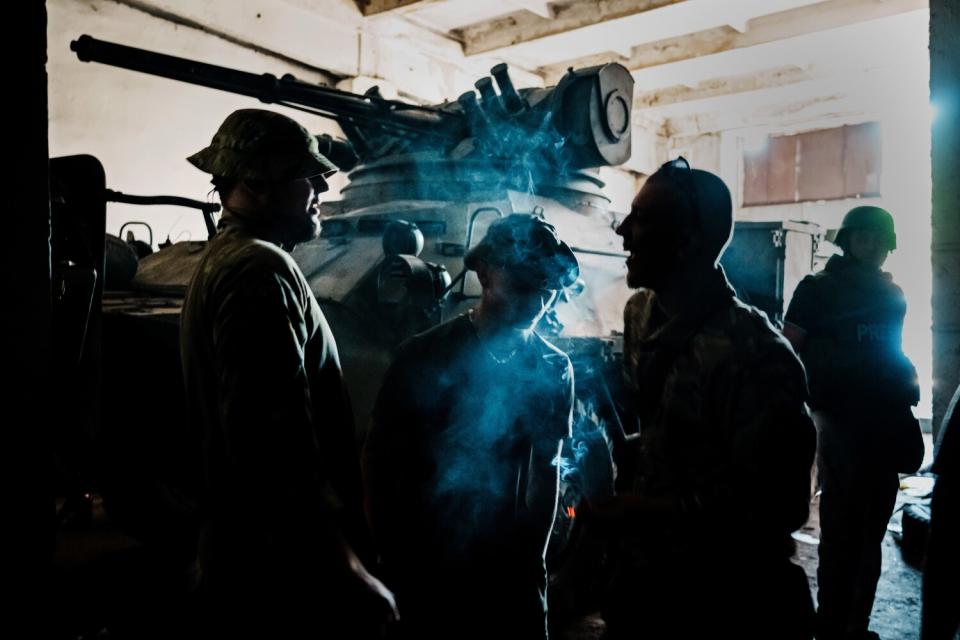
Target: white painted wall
{"points": [[904, 115], [143, 127], [620, 187]]}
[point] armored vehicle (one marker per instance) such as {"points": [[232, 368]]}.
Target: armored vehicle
{"points": [[425, 182]]}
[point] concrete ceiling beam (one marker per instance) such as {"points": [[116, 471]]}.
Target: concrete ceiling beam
{"points": [[782, 25], [524, 26]]}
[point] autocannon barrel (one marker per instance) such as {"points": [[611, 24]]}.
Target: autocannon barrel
{"points": [[395, 116], [583, 122]]}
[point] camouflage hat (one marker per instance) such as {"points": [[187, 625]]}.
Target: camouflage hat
{"points": [[262, 145], [527, 246], [866, 217]]}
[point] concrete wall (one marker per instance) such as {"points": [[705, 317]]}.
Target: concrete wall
{"points": [[904, 115], [27, 336], [945, 97], [143, 127]]}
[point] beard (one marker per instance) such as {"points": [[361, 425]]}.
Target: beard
{"points": [[304, 229], [649, 269], [298, 228]]}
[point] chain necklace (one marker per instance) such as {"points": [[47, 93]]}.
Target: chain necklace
{"points": [[498, 360]]}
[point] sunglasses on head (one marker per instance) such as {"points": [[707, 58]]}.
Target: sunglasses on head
{"points": [[678, 171]]}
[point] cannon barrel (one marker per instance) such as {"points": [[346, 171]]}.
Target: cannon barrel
{"points": [[582, 122], [398, 117]]}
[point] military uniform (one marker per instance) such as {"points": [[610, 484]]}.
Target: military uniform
{"points": [[264, 386], [451, 482], [726, 437], [264, 390], [862, 387]]}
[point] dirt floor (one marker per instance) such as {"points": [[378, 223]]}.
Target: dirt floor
{"points": [[896, 611]]}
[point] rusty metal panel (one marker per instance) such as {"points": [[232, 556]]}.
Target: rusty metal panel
{"points": [[755, 169], [782, 172], [820, 171], [861, 160], [827, 164]]}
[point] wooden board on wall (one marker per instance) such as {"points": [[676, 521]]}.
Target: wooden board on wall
{"points": [[820, 174], [782, 175], [827, 164], [862, 160], [755, 170]]}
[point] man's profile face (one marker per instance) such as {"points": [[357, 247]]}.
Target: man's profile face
{"points": [[514, 303], [650, 235], [295, 205]]}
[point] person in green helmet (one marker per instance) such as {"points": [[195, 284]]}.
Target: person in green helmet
{"points": [[264, 390], [846, 323]]}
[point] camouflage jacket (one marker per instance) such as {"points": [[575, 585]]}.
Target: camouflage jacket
{"points": [[724, 431], [264, 388]]}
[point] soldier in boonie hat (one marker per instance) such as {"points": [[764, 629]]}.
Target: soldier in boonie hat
{"points": [[262, 145], [265, 394], [269, 173]]}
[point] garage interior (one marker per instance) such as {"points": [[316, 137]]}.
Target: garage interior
{"points": [[805, 108]]}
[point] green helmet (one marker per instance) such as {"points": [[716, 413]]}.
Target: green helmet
{"points": [[262, 145], [867, 217], [528, 247]]}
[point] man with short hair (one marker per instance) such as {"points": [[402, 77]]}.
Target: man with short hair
{"points": [[846, 322], [264, 388], [460, 463], [726, 444]]}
